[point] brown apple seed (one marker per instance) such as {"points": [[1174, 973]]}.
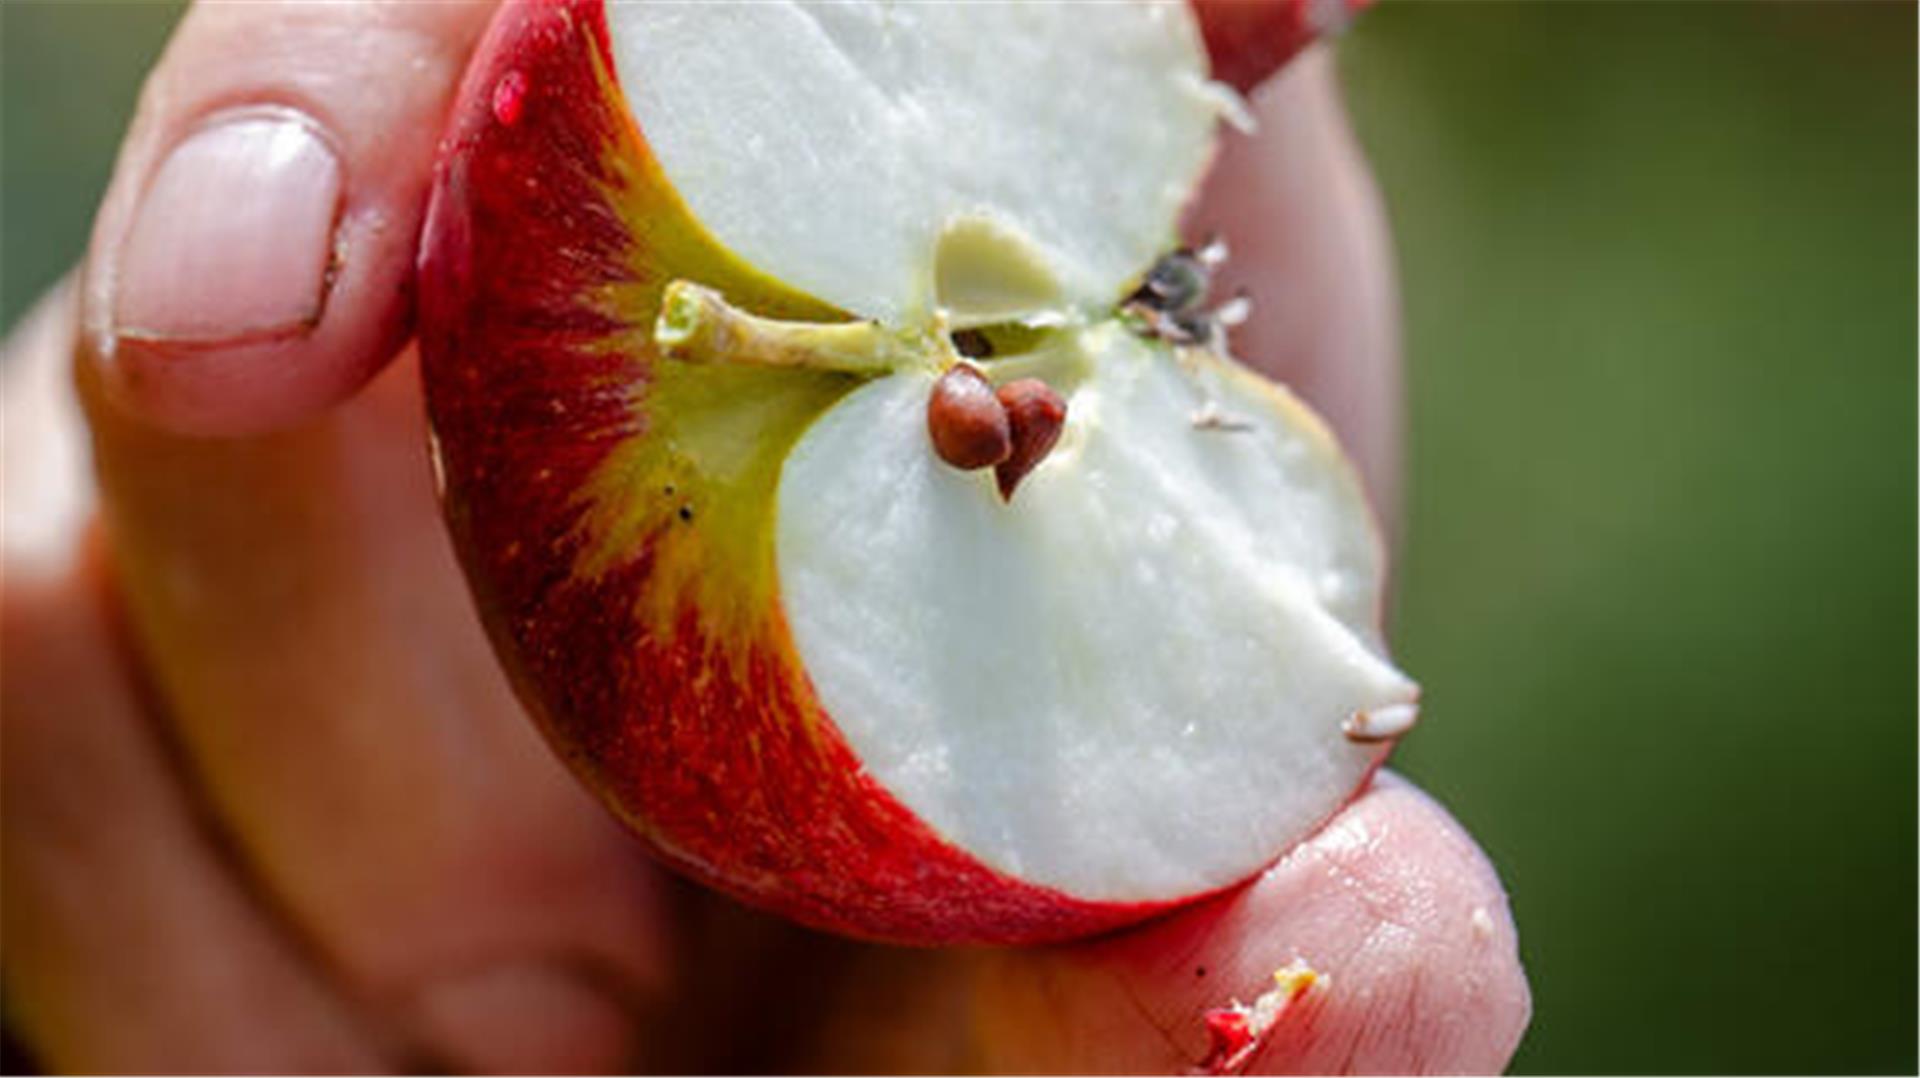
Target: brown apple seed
{"points": [[967, 423], [1036, 414]]}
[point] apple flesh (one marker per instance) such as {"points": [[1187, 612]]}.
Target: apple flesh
{"points": [[690, 276]]}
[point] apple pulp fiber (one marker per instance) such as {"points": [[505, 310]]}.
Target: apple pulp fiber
{"points": [[805, 661]]}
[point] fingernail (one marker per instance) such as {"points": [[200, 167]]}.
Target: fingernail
{"points": [[234, 236]]}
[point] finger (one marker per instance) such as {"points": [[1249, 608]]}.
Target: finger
{"points": [[304, 622], [1310, 249], [129, 944], [1392, 906], [49, 495], [251, 263]]}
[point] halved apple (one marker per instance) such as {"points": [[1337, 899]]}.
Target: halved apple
{"points": [[691, 275]]}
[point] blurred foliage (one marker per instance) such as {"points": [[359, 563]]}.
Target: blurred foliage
{"points": [[1659, 571], [1658, 578], [69, 72]]}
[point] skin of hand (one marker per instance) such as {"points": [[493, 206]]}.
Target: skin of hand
{"points": [[268, 804]]}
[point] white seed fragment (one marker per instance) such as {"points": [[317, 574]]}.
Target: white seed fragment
{"points": [[1234, 312], [1380, 724], [1229, 104], [1482, 922], [438, 463]]}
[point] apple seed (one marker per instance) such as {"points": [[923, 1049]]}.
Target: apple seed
{"points": [[967, 422], [1036, 415]]}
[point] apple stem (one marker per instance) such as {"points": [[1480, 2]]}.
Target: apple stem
{"points": [[698, 325]]}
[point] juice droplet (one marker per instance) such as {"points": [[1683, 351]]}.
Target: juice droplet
{"points": [[509, 97]]}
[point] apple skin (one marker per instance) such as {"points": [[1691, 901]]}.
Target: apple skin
{"points": [[1248, 40], [628, 587]]}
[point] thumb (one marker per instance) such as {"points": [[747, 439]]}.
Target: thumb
{"points": [[1396, 913], [251, 262]]}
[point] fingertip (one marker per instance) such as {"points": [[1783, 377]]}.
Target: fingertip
{"points": [[252, 262], [246, 289], [1396, 912]]}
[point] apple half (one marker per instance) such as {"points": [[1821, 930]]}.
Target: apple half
{"points": [[691, 274]]}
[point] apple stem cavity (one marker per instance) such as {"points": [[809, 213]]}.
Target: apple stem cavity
{"points": [[698, 325]]}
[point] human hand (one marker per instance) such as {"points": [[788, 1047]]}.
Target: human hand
{"points": [[268, 802]]}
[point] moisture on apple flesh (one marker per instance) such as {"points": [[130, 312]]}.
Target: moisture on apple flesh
{"points": [[692, 273]]}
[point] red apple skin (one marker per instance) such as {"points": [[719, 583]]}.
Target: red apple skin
{"points": [[631, 595], [1248, 40]]}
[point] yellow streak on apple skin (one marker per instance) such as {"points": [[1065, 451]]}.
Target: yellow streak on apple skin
{"points": [[697, 477]]}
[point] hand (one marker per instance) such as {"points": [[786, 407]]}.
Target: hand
{"points": [[268, 804]]}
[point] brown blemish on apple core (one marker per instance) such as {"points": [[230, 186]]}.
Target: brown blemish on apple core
{"points": [[967, 422], [1036, 414], [1171, 302]]}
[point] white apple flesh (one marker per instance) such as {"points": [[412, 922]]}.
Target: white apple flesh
{"points": [[834, 146], [1129, 681]]}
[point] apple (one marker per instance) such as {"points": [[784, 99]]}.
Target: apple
{"points": [[848, 470]]}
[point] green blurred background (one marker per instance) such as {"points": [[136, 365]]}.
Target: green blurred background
{"points": [[1659, 568]]}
